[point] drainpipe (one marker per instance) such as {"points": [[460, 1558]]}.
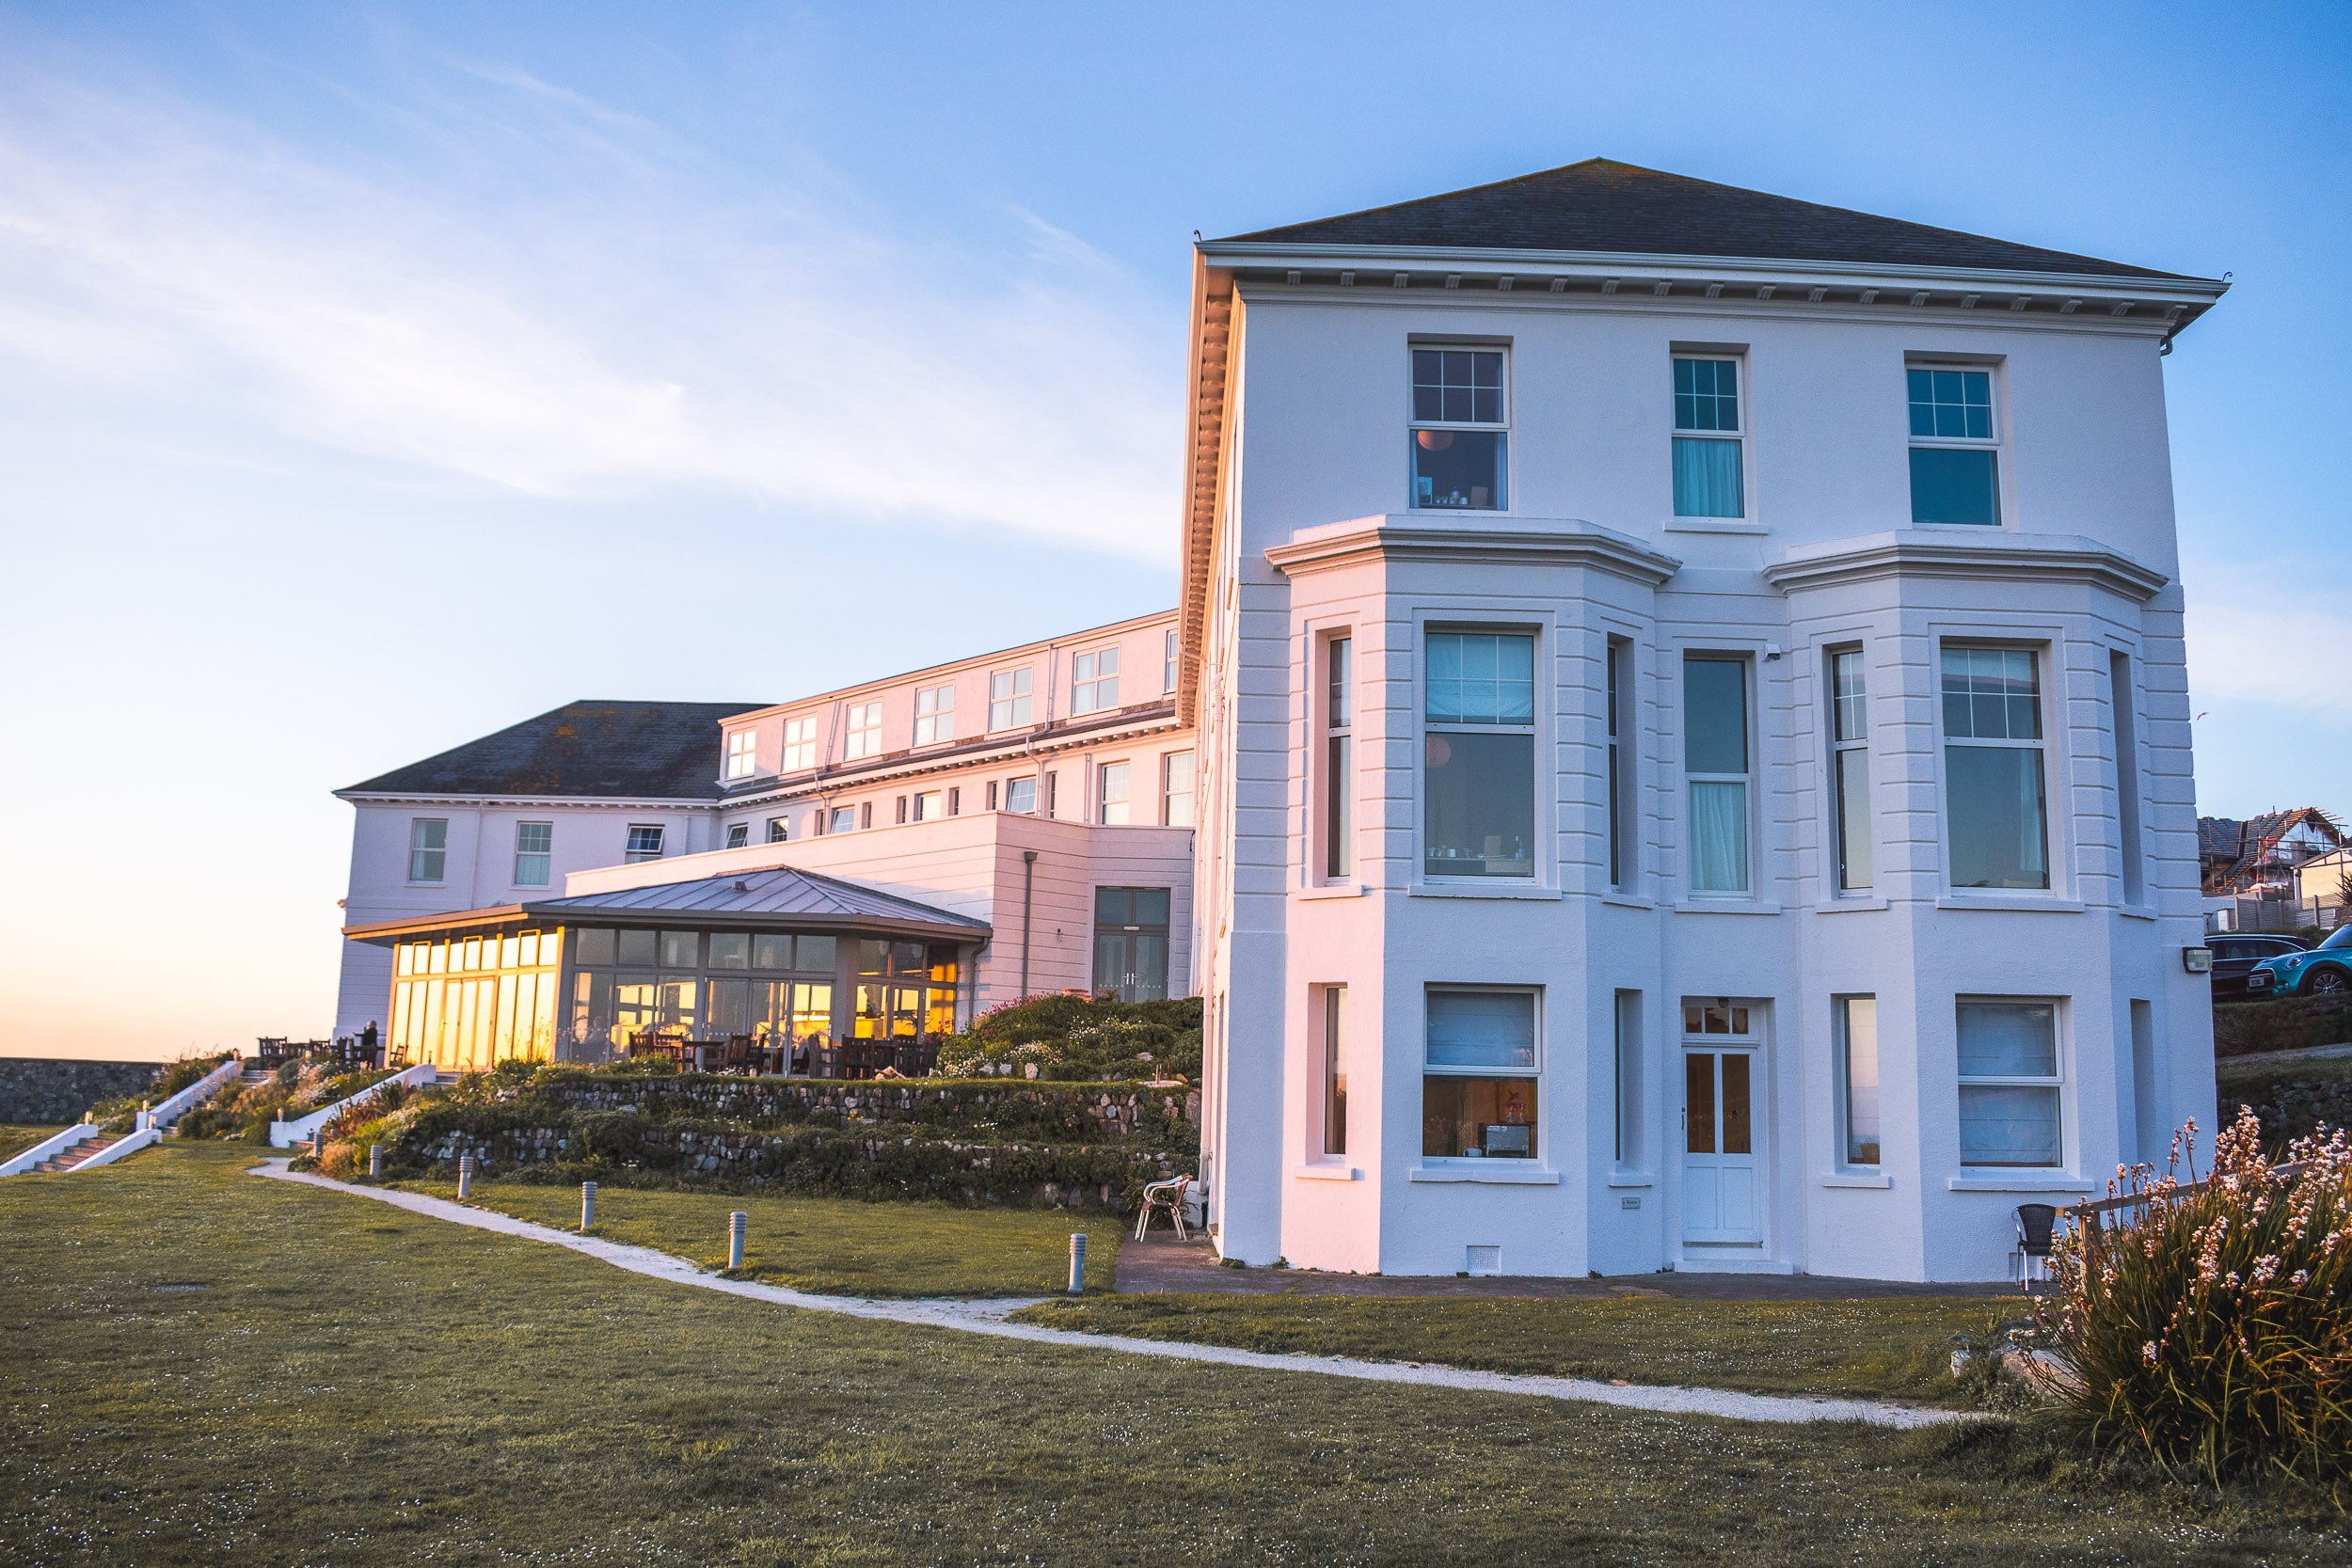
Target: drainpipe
{"points": [[1029, 883]]}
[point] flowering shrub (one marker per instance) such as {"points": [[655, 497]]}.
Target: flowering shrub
{"points": [[2216, 1331], [1078, 1037]]}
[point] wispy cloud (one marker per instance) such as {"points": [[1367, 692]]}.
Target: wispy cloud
{"points": [[2269, 633], [559, 298]]}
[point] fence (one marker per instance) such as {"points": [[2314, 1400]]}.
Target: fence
{"points": [[2278, 914]]}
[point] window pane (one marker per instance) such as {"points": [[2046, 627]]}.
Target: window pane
{"points": [[1479, 795], [1736, 1135], [1707, 479], [1489, 1118], [637, 947], [1990, 694], [730, 950], [1850, 706], [814, 952], [1853, 818], [1481, 679], [1951, 486], [1994, 801], [1715, 711], [2008, 1125], [1706, 397], [1861, 1030], [769, 951], [1459, 470], [1698, 1100], [595, 946], [1719, 837], [1491, 1029], [681, 949], [2008, 1039]]}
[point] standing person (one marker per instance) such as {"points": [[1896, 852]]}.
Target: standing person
{"points": [[367, 1041]]}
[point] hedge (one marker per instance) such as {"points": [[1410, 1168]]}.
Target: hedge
{"points": [[2288, 1023]]}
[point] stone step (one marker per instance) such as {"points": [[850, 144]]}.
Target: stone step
{"points": [[76, 1155]]}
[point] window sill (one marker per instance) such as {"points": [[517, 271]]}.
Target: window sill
{"points": [[1497, 1173], [2023, 1181], [2011, 903], [1631, 1179], [1627, 901], [1712, 525], [1349, 889], [1326, 1173], [1848, 905], [1724, 906], [1858, 1178], [1464, 889], [2138, 911]]}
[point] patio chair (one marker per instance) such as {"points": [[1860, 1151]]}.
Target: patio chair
{"points": [[1166, 1196], [2035, 1222]]}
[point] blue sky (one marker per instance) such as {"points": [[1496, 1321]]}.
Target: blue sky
{"points": [[372, 376]]}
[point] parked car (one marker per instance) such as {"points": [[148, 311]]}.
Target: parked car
{"points": [[2325, 971], [2234, 957]]}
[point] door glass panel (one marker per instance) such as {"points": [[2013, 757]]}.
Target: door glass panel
{"points": [[1735, 1103], [1698, 1082]]}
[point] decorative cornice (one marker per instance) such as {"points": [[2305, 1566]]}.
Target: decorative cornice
{"points": [[504, 802], [1520, 542], [1947, 553]]}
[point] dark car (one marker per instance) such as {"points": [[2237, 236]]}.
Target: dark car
{"points": [[2324, 970], [2234, 957]]}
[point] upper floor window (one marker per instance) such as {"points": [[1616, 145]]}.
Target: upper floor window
{"points": [[1954, 468], [1618, 794], [778, 830], [1111, 803], [929, 805], [1176, 789], [1458, 429], [1706, 439], [1715, 765], [1094, 681], [935, 715], [1478, 771], [428, 849], [1993, 775], [1339, 774], [799, 744], [1849, 765], [1168, 661], [1021, 795], [743, 753], [1007, 699], [739, 834], [534, 844], [644, 843], [865, 730]]}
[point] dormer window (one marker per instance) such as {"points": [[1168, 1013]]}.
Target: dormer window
{"points": [[743, 753], [799, 744], [865, 738], [935, 715], [1458, 430], [1094, 681]]}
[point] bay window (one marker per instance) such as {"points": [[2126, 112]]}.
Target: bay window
{"points": [[1857, 1022], [1478, 1082], [1334, 1070], [1994, 794], [1849, 765], [1339, 788], [1478, 772], [2010, 1084], [1716, 759]]}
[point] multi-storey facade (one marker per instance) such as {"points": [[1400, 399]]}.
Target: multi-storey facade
{"points": [[1696, 770], [1693, 761]]}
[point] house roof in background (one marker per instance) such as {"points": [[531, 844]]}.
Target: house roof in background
{"points": [[780, 895], [587, 750], [1603, 206], [2233, 850]]}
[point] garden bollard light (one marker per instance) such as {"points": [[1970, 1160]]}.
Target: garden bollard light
{"points": [[1077, 1262], [735, 1222], [465, 1176], [318, 1144], [587, 1205], [375, 1158]]}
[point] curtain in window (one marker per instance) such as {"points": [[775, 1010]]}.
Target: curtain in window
{"points": [[1488, 1029], [1719, 837], [2008, 1124], [1707, 479]]}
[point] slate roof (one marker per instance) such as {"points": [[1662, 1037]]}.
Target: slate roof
{"points": [[645, 751], [2231, 852], [1604, 206], [783, 896]]}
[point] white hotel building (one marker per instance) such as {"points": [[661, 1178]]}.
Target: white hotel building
{"points": [[1692, 758]]}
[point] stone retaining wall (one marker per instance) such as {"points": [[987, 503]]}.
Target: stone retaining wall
{"points": [[1115, 1110], [43, 1092]]}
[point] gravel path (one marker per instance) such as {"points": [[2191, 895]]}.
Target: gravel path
{"points": [[988, 1317]]}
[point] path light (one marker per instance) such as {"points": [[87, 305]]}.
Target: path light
{"points": [[465, 1176], [375, 1160], [587, 1206], [735, 1222], [1077, 1262]]}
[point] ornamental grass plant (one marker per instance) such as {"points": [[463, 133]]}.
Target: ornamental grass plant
{"points": [[2214, 1330]]}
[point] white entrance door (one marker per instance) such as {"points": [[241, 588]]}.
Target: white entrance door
{"points": [[1721, 1203]]}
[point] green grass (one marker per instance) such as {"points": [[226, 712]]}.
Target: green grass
{"points": [[839, 1246], [353, 1385], [1891, 1349], [17, 1136]]}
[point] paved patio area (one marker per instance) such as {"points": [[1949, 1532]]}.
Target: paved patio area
{"points": [[1160, 1264]]}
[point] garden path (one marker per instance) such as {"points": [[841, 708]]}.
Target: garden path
{"points": [[988, 1317]]}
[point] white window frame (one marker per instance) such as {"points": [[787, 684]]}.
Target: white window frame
{"points": [[1333, 765], [546, 857], [739, 835], [799, 743], [936, 809], [1736, 436], [1330, 1006], [1414, 427], [1846, 751], [1483, 624], [1170, 764], [1094, 680], [935, 715], [742, 753], [1541, 1159], [417, 834], [841, 819], [1012, 793], [636, 851], [1170, 650], [1622, 851], [1751, 705], [862, 730], [1112, 813], [1841, 1037], [2062, 1058], [1994, 443], [2043, 652], [779, 830], [1010, 698]]}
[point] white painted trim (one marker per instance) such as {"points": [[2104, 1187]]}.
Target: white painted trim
{"points": [[1502, 1174], [57, 1143], [143, 1138], [1326, 1173], [2023, 903], [291, 1134], [2025, 1181], [1857, 1178], [179, 1104]]}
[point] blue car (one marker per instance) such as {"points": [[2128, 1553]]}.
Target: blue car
{"points": [[2325, 971]]}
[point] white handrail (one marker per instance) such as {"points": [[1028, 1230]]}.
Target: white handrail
{"points": [[178, 1104], [56, 1144], [289, 1135], [143, 1138]]}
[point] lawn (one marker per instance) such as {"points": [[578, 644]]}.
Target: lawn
{"points": [[839, 1246], [199, 1366], [1884, 1349], [16, 1138]]}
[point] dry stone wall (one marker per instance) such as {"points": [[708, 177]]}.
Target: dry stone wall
{"points": [[41, 1092]]}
